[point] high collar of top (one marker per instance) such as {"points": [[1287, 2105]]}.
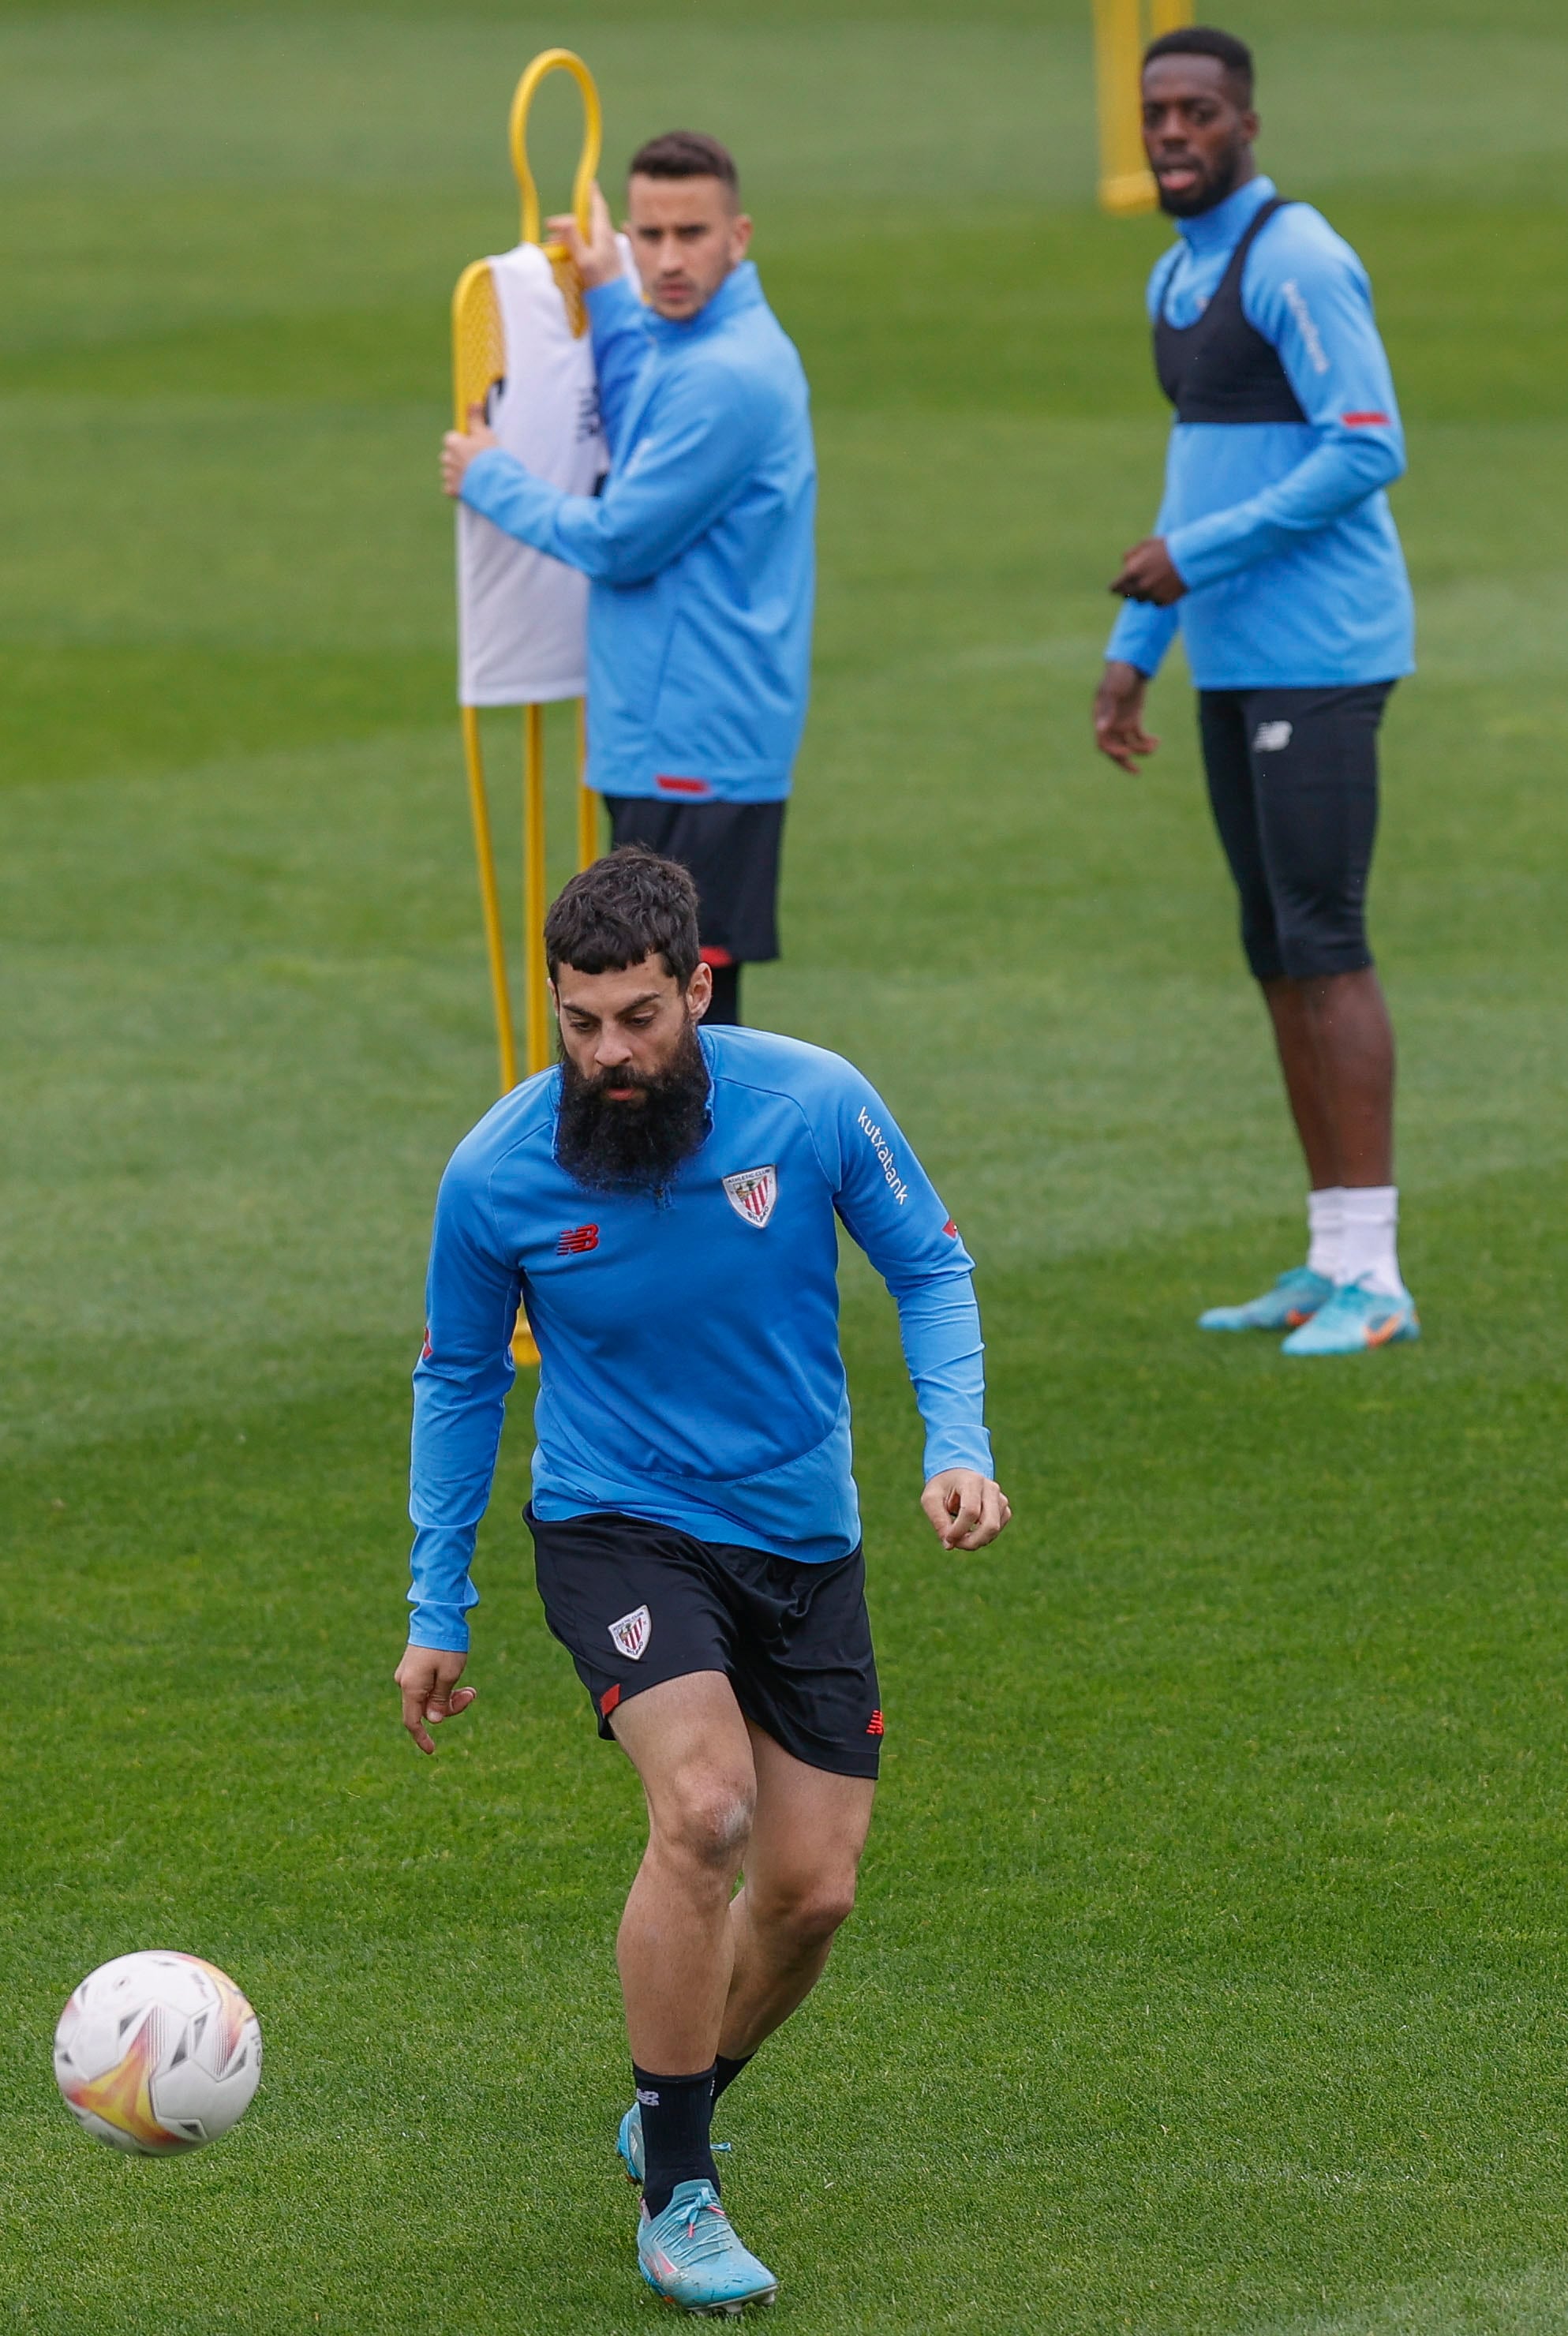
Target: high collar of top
{"points": [[741, 288], [1223, 229]]}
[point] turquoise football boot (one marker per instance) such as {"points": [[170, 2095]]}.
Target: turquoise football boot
{"points": [[629, 2145], [690, 2256], [1294, 1299], [1355, 1319]]}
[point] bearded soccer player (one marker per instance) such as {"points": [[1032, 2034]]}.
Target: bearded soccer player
{"points": [[698, 549], [1276, 557], [666, 1204]]}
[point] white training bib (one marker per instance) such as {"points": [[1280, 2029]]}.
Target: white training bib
{"points": [[522, 617]]}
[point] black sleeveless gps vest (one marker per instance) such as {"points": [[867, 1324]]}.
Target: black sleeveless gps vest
{"points": [[1222, 369]]}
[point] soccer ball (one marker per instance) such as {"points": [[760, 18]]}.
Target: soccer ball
{"points": [[157, 2053]]}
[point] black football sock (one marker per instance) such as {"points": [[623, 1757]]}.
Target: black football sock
{"points": [[724, 1006], [725, 2071], [675, 2114]]}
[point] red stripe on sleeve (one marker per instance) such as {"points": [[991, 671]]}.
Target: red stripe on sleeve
{"points": [[1365, 421]]}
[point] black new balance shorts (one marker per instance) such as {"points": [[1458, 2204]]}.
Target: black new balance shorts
{"points": [[731, 853], [1294, 784], [634, 1605]]}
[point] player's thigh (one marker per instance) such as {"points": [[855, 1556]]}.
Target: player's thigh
{"points": [[692, 1750], [1317, 768], [1225, 727], [807, 1835]]}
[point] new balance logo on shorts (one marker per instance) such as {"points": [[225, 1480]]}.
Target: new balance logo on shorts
{"points": [[874, 1725], [1272, 737], [576, 1240]]}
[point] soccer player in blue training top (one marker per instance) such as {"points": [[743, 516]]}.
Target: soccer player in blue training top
{"points": [[698, 550], [667, 1202], [1275, 554]]}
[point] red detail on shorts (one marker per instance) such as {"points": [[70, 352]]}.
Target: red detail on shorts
{"points": [[425, 1352], [575, 1239], [715, 957], [1365, 421], [608, 1700], [951, 1230], [874, 1724], [667, 785]]}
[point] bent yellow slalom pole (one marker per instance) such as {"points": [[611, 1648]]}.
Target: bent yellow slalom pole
{"points": [[536, 1006], [1122, 28], [478, 363], [551, 61]]}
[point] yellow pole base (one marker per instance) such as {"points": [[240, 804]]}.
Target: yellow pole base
{"points": [[1127, 193], [524, 1353]]}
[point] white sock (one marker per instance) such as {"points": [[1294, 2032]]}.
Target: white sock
{"points": [[1325, 1230], [1367, 1253]]}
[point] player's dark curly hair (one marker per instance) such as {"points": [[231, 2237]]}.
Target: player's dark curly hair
{"points": [[629, 905], [1208, 40], [686, 154]]}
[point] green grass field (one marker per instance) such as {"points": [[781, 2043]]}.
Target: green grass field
{"points": [[1209, 1975]]}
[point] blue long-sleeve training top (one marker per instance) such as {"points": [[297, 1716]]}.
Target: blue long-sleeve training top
{"points": [[699, 550], [689, 1367], [1281, 530]]}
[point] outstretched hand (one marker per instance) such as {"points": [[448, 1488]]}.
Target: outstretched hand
{"points": [[966, 1510], [597, 261], [428, 1678]]}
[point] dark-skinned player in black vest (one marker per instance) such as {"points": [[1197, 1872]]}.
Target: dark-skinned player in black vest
{"points": [[1275, 556]]}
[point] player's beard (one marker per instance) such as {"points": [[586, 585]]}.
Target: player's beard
{"points": [[1210, 192], [633, 1147]]}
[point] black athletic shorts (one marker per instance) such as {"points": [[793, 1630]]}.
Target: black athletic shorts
{"points": [[1294, 784], [732, 851], [634, 1605]]}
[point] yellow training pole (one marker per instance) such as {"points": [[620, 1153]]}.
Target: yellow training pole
{"points": [[1126, 184], [489, 899], [478, 362], [551, 61], [586, 801], [536, 1002]]}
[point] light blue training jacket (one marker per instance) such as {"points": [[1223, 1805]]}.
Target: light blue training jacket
{"points": [[689, 1366], [699, 549], [1281, 530]]}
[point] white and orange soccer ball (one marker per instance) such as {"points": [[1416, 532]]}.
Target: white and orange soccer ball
{"points": [[157, 2053]]}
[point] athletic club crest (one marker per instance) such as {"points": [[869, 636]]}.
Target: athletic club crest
{"points": [[753, 1194], [632, 1634]]}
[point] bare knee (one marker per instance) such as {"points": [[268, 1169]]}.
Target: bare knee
{"points": [[807, 1909], [702, 1821]]}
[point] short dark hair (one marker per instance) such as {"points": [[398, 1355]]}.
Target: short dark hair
{"points": [[629, 905], [686, 154], [1208, 40]]}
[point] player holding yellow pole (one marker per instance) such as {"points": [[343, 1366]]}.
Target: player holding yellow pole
{"points": [[698, 551]]}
